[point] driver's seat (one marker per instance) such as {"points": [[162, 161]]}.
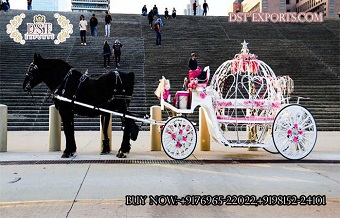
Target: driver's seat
{"points": [[203, 78]]}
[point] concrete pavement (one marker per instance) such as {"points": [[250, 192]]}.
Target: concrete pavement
{"points": [[33, 145], [101, 190]]}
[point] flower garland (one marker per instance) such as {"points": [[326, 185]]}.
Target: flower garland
{"points": [[163, 87], [193, 84]]}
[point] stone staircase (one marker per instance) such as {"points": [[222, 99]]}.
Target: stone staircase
{"points": [[309, 57], [27, 113], [309, 53]]}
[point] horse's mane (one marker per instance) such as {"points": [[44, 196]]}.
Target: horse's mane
{"points": [[58, 62]]}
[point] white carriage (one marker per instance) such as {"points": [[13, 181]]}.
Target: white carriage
{"points": [[245, 105]]}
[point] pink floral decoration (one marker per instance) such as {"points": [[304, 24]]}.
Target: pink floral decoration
{"points": [[276, 104], [166, 94], [173, 136], [296, 139], [254, 103], [259, 103], [178, 144], [244, 62], [289, 132], [224, 103], [193, 84], [203, 95]]}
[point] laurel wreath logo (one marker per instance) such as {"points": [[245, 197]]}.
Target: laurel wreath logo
{"points": [[12, 28]]}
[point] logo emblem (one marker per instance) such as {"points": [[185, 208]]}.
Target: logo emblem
{"points": [[39, 29]]}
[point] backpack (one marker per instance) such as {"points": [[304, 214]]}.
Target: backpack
{"points": [[117, 47], [160, 21], [155, 27]]}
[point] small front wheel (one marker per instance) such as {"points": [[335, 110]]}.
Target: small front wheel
{"points": [[294, 132], [179, 138]]}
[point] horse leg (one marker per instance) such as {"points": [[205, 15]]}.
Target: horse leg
{"points": [[129, 130], [68, 124], [105, 119]]}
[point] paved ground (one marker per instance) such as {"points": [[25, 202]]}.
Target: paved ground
{"points": [[101, 190]]}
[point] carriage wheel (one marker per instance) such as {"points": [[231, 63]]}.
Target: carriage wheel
{"points": [[179, 138], [294, 132], [271, 149]]}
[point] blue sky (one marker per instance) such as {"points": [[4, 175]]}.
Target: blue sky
{"points": [[216, 7]]}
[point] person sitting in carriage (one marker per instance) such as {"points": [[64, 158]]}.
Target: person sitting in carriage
{"points": [[195, 70], [195, 73]]}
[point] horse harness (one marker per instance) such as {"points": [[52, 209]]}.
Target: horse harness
{"points": [[83, 78]]}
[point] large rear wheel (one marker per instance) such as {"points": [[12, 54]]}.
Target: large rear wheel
{"points": [[294, 132]]}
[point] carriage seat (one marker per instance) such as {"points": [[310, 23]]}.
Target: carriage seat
{"points": [[202, 76]]}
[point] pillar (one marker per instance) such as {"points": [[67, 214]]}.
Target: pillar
{"points": [[3, 127], [54, 139], [155, 135], [204, 136]]}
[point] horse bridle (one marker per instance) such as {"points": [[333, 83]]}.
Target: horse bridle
{"points": [[29, 74]]}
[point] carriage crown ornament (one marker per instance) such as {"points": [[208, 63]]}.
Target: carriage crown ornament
{"points": [[246, 105]]}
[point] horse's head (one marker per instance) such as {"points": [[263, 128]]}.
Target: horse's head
{"points": [[33, 75]]}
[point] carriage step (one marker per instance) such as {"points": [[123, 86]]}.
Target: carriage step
{"points": [[245, 144]]}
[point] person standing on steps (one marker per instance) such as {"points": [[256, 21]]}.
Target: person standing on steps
{"points": [[194, 6], [117, 51], [83, 29], [106, 54], [93, 25], [29, 5], [108, 21], [157, 28], [150, 18], [5, 5], [205, 8]]}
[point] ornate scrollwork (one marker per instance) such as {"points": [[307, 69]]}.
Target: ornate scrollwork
{"points": [[66, 30], [12, 28]]}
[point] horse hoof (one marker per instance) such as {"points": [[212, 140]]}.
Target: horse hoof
{"points": [[121, 155], [65, 155], [104, 152]]}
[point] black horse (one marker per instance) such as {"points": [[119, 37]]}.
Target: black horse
{"points": [[111, 91]]}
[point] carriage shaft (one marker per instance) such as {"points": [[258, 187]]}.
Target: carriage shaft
{"points": [[149, 121]]}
